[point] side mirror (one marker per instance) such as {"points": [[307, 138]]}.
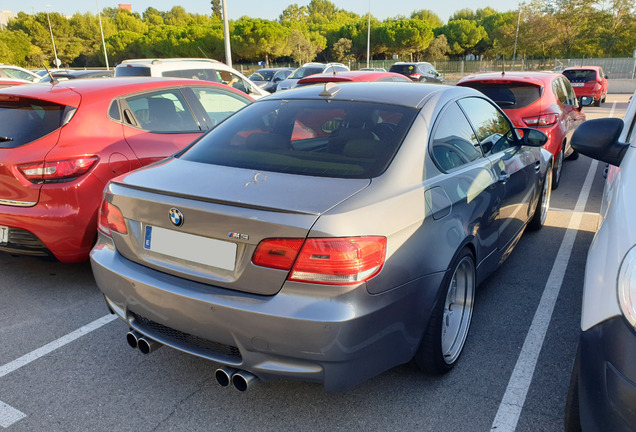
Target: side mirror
{"points": [[277, 79], [585, 101], [532, 137], [598, 139]]}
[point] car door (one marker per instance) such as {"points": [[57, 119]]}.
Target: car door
{"points": [[157, 124], [572, 115], [515, 167]]}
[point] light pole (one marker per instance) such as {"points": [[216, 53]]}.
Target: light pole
{"points": [[369, 34], [57, 61], [226, 36], [514, 54], [101, 29]]}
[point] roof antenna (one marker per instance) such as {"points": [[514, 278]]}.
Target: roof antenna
{"points": [[503, 67], [53, 79]]}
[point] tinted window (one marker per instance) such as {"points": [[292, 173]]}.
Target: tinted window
{"points": [[306, 71], [513, 95], [200, 74], [580, 75], [24, 121], [307, 137], [493, 129], [129, 71], [262, 75], [454, 142], [163, 111]]}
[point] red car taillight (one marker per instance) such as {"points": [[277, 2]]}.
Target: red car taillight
{"points": [[62, 170], [415, 76], [542, 120], [111, 219], [332, 261]]}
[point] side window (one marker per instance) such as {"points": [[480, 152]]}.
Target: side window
{"points": [[454, 142], [493, 129], [569, 92], [341, 69], [559, 92], [218, 104], [161, 111], [233, 80], [113, 111]]}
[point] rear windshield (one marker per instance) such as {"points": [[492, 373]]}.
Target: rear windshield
{"points": [[306, 71], [307, 137], [403, 69], [199, 74], [132, 71], [580, 75], [509, 95], [262, 75], [27, 120]]}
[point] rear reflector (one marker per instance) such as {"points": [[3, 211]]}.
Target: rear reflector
{"points": [[111, 219], [333, 261], [62, 170]]}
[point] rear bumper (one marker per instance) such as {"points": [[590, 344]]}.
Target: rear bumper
{"points": [[62, 224], [607, 380], [337, 336]]}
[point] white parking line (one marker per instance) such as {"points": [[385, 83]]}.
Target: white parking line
{"points": [[9, 415], [515, 396]]}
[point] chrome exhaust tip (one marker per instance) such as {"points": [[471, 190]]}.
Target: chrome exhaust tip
{"points": [[147, 345], [242, 380], [132, 337], [223, 375]]}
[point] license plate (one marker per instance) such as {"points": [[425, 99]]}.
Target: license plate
{"points": [[4, 234], [578, 84], [189, 247]]}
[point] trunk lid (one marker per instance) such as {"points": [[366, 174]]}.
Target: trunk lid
{"points": [[203, 222]]}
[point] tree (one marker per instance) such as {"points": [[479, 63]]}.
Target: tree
{"points": [[428, 16], [217, 11], [257, 38], [463, 35], [438, 49], [342, 50]]}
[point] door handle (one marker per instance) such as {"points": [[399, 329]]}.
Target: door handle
{"points": [[537, 166], [504, 177]]}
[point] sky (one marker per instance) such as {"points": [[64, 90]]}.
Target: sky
{"points": [[266, 9]]}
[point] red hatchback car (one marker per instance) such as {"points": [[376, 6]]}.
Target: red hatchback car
{"points": [[541, 100], [61, 143], [588, 81]]}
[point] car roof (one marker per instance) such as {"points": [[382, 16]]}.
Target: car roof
{"points": [[582, 68], [536, 78], [349, 76], [393, 93], [65, 91]]}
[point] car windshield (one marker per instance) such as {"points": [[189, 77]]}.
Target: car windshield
{"points": [[325, 138], [27, 120], [508, 95], [262, 75], [306, 71], [580, 75]]}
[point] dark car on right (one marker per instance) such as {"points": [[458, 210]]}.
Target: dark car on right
{"points": [[418, 72], [268, 78]]}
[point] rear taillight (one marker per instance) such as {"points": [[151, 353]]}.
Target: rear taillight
{"points": [[415, 76], [55, 171], [111, 219], [333, 261], [542, 120]]}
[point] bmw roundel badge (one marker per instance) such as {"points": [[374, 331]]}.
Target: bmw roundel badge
{"points": [[176, 217]]}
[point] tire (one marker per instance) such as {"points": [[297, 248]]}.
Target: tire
{"points": [[572, 420], [543, 203], [604, 97], [574, 155], [597, 103], [448, 327], [557, 169]]}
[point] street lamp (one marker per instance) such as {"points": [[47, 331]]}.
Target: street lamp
{"points": [[101, 29], [226, 36], [368, 34], [514, 54], [57, 61]]}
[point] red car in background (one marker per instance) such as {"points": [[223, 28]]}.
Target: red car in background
{"points": [[350, 76], [588, 81], [541, 100], [8, 82], [60, 144]]}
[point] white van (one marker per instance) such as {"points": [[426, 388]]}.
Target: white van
{"points": [[195, 68]]}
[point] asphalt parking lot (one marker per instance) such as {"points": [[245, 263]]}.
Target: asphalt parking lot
{"points": [[65, 364]]}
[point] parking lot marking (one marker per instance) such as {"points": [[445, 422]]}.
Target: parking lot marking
{"points": [[9, 415], [515, 396], [52, 346]]}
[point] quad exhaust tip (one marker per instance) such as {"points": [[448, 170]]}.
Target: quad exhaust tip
{"points": [[144, 343], [241, 380]]}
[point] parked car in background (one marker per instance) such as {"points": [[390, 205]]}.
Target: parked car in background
{"points": [[602, 394], [588, 81], [10, 71], [268, 79], [194, 68], [8, 82], [42, 72], [542, 100], [60, 144], [351, 76], [418, 72], [294, 240], [75, 74], [374, 69], [310, 69]]}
